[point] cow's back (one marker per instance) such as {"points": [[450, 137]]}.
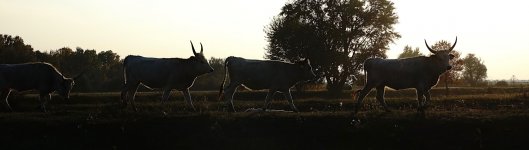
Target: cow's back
{"points": [[257, 74], [28, 76], [144, 69], [397, 73], [158, 72]]}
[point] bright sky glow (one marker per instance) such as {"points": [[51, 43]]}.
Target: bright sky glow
{"points": [[496, 31]]}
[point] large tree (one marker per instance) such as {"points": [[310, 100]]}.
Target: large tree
{"points": [[474, 70], [336, 35]]}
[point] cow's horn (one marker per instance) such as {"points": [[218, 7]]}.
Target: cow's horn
{"points": [[201, 48], [452, 48], [193, 48], [430, 49]]}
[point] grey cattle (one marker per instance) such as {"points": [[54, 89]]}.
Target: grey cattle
{"points": [[165, 73], [39, 76], [264, 74], [420, 73]]}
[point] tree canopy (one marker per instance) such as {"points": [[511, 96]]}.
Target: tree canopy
{"points": [[474, 70], [13, 50], [336, 35], [409, 52]]}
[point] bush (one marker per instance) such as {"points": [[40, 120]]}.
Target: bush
{"points": [[502, 83]]}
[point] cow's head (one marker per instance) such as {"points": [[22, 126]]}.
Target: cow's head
{"points": [[65, 87], [443, 56], [200, 63], [306, 72]]}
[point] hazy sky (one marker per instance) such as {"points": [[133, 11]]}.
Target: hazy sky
{"points": [[496, 31]]}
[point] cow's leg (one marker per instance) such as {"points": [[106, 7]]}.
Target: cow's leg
{"points": [[380, 97], [3, 96], [427, 96], [361, 95], [269, 96], [43, 98], [420, 100], [288, 96], [187, 97], [124, 94], [228, 95], [165, 95], [131, 95]]}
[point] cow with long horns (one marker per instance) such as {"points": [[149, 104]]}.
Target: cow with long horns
{"points": [[421, 73], [164, 73], [39, 76]]}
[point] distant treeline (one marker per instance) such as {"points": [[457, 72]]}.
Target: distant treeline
{"points": [[102, 70]]}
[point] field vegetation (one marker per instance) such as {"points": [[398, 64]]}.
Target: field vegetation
{"points": [[470, 118]]}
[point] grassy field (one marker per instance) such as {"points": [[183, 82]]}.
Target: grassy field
{"points": [[471, 118]]}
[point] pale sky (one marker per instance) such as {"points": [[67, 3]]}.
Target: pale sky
{"points": [[496, 31]]}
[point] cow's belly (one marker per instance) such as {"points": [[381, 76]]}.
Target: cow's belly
{"points": [[252, 80], [163, 83], [256, 84], [399, 86]]}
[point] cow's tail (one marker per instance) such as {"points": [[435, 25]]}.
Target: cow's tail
{"points": [[125, 62], [224, 80], [367, 66], [123, 91]]}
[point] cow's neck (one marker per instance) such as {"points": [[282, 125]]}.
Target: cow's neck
{"points": [[294, 73], [436, 68], [188, 69]]}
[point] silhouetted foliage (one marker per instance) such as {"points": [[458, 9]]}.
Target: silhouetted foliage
{"points": [[409, 52], [13, 50], [102, 71], [336, 35], [502, 83], [474, 70]]}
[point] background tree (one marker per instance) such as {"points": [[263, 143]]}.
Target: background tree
{"points": [[103, 71], [474, 70], [13, 50], [409, 52], [453, 74], [336, 35], [502, 83]]}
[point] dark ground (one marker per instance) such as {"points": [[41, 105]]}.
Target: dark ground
{"points": [[95, 121]]}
